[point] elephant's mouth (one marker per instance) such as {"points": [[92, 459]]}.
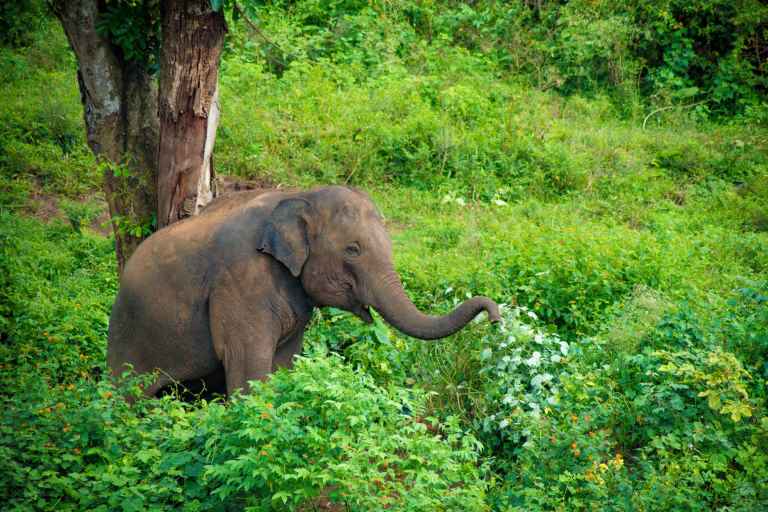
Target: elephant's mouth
{"points": [[364, 312]]}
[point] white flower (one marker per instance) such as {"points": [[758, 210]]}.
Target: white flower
{"points": [[486, 354], [540, 379], [532, 315], [499, 202], [503, 423], [564, 348], [534, 360], [539, 338], [510, 400]]}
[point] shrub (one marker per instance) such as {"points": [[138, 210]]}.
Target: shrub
{"points": [[326, 429], [21, 21]]}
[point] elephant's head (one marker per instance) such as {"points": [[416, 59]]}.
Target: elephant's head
{"points": [[334, 240]]}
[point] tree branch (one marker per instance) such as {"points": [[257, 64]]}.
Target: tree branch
{"points": [[281, 62], [662, 109]]}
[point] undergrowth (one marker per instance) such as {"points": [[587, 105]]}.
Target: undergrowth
{"points": [[631, 257]]}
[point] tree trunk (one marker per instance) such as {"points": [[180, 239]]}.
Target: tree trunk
{"points": [[156, 149], [120, 104], [193, 37]]}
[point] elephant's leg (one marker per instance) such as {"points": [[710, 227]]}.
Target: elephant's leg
{"points": [[248, 358], [255, 305], [286, 351], [245, 331], [245, 345]]}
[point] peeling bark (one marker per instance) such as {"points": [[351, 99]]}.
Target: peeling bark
{"points": [[161, 143], [193, 38], [120, 110]]}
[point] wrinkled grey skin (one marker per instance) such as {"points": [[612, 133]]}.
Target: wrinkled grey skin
{"points": [[235, 286]]}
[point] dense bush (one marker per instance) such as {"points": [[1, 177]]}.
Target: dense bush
{"points": [[42, 141], [707, 54], [596, 416], [20, 22], [630, 371]]}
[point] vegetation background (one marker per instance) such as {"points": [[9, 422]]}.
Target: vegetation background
{"points": [[598, 166]]}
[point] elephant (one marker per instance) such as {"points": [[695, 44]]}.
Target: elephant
{"points": [[233, 288]]}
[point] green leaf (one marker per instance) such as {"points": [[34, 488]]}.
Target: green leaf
{"points": [[381, 332], [282, 496]]}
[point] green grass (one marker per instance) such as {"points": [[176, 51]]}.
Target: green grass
{"points": [[41, 123], [645, 251]]}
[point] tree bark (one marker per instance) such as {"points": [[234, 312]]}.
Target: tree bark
{"points": [[156, 148], [122, 126], [193, 37]]}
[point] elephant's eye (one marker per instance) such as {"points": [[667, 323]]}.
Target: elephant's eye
{"points": [[353, 249]]}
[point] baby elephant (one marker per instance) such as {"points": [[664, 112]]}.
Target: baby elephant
{"points": [[234, 287]]}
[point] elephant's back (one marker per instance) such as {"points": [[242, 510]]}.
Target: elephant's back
{"points": [[234, 201]]}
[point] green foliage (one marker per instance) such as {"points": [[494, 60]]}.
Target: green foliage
{"points": [[673, 52], [134, 27], [42, 141], [81, 215], [329, 430], [20, 22], [630, 372], [616, 433], [58, 335], [719, 375], [522, 376]]}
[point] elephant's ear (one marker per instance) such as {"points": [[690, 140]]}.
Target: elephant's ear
{"points": [[285, 235]]}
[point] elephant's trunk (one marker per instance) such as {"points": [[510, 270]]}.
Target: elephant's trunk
{"points": [[390, 300]]}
